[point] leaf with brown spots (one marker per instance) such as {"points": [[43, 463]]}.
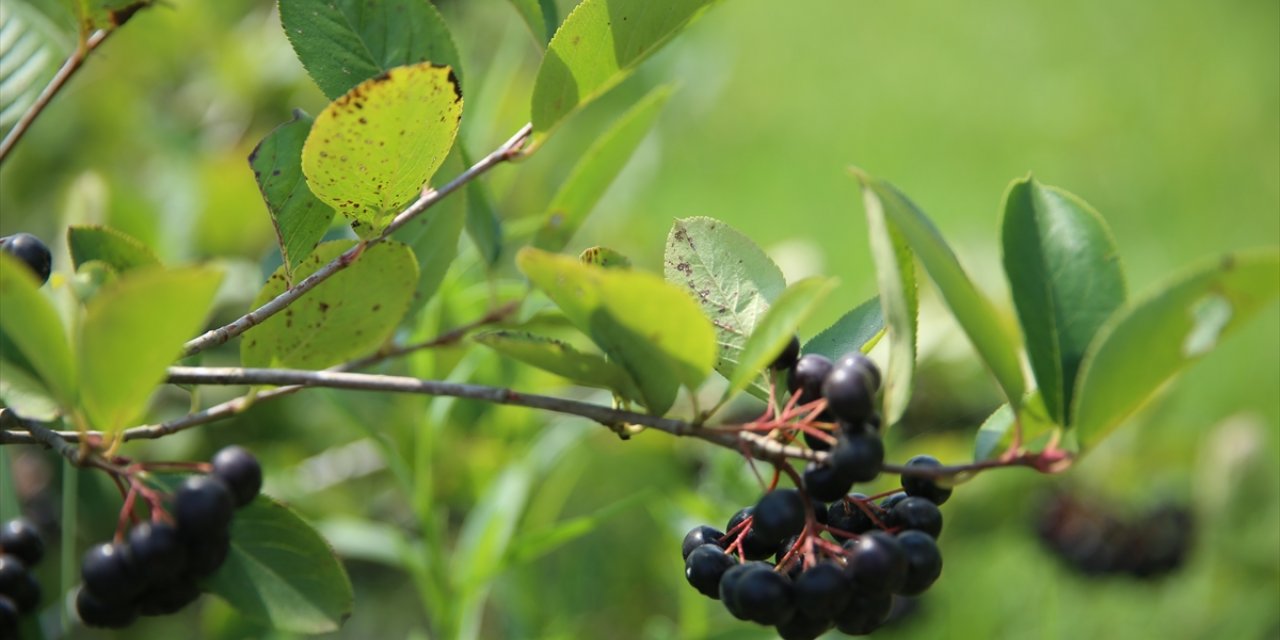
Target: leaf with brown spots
{"points": [[371, 151], [348, 315], [299, 218]]}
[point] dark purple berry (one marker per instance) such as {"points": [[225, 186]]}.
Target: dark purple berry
{"points": [[169, 597], [698, 536], [729, 585], [753, 546], [856, 360], [787, 358], [159, 554], [705, 566], [924, 486], [864, 613], [202, 507], [803, 627], [816, 443], [819, 509], [877, 563], [206, 555], [924, 562], [846, 516], [8, 618], [240, 471], [858, 459], [823, 483], [94, 612], [806, 377], [850, 388], [917, 514], [110, 575], [31, 251], [822, 590], [892, 501], [779, 515], [766, 597], [17, 584], [19, 538]]}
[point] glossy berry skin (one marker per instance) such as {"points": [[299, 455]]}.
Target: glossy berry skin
{"points": [[730, 581], [806, 377], [892, 501], [779, 515], [917, 514], [698, 536], [17, 584], [240, 471], [93, 612], [846, 516], [31, 251], [877, 563], [704, 568], [202, 507], [787, 358], [864, 613], [850, 389], [753, 546], [924, 562], [924, 487], [19, 538], [803, 627], [766, 597], [8, 618], [109, 574], [159, 554], [823, 483], [859, 361], [822, 590], [858, 459]]}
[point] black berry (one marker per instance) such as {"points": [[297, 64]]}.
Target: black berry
{"points": [[822, 590], [846, 516], [803, 627], [778, 515], [754, 547], [19, 538], [877, 563], [892, 501], [787, 359], [240, 471], [917, 513], [806, 377], [864, 613], [858, 459], [850, 388], [31, 251], [206, 555], [94, 612], [923, 486], [8, 618], [168, 597], [698, 536], [765, 596], [202, 507], [729, 584], [704, 568], [17, 584], [158, 553], [823, 483], [109, 574], [924, 562]]}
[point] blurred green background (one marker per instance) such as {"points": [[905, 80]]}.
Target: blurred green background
{"points": [[1164, 116]]}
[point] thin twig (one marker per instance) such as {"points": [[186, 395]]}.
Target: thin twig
{"points": [[68, 69], [509, 149]]}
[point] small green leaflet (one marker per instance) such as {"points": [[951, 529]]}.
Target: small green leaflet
{"points": [[36, 334], [598, 46], [371, 151], [560, 358], [776, 328], [731, 278], [1147, 343], [299, 218], [116, 249], [348, 315], [280, 572], [342, 43], [858, 330]]}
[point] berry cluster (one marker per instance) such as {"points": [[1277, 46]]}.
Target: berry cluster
{"points": [[156, 569], [31, 251], [837, 564], [20, 549], [1098, 541]]}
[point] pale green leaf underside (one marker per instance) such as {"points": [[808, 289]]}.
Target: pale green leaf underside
{"points": [[560, 358], [899, 302], [775, 329], [116, 249]]}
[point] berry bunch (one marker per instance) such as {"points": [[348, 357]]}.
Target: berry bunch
{"points": [[1098, 541], [31, 251], [156, 569], [20, 549]]}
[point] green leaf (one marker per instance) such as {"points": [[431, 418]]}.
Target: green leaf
{"points": [[731, 278], [280, 572], [560, 358], [370, 541], [598, 45], [35, 333], [371, 151], [132, 330], [26, 395], [342, 43], [117, 249], [899, 303], [649, 327], [857, 330], [775, 329], [104, 14], [605, 257], [1065, 276], [484, 227], [975, 313], [540, 17], [31, 47], [1149, 342], [350, 314], [299, 218], [596, 170], [535, 544], [434, 237], [996, 433]]}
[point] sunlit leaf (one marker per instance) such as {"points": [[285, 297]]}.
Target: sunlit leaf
{"points": [[31, 47], [605, 257], [899, 303], [560, 358], [857, 330], [541, 18], [105, 14], [116, 249], [32, 329], [299, 218], [776, 328]]}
